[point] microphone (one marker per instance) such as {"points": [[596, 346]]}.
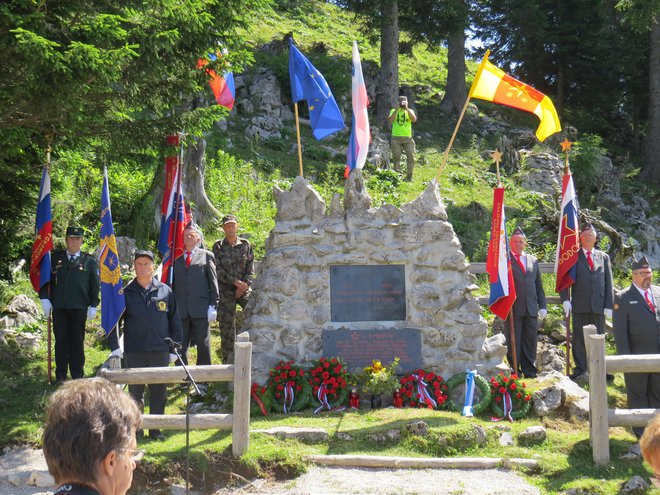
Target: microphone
{"points": [[173, 344]]}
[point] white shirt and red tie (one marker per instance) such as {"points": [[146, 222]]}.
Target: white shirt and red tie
{"points": [[189, 255], [590, 259], [521, 261]]}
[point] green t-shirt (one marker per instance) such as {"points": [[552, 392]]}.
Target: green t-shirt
{"points": [[402, 125]]}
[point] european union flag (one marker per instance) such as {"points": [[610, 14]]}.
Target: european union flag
{"points": [[307, 83], [112, 295]]}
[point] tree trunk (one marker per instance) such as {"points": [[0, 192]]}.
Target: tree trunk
{"points": [[456, 92], [388, 84], [194, 164], [651, 169]]}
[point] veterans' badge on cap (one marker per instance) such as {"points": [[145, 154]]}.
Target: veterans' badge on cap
{"points": [[641, 264], [74, 231], [162, 306]]}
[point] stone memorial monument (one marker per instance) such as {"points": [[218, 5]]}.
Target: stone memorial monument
{"points": [[366, 283]]}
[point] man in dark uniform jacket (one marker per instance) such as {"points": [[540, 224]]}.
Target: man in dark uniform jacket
{"points": [[234, 263], [72, 296], [196, 291], [636, 324], [150, 317], [591, 296], [529, 305], [89, 438]]}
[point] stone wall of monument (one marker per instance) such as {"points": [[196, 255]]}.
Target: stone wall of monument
{"points": [[290, 308]]}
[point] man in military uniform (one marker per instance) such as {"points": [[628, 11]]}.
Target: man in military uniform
{"points": [[591, 296], [72, 296], [234, 263], [636, 323], [151, 324], [196, 291], [89, 438]]}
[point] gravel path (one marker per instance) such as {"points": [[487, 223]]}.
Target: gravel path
{"points": [[18, 463]]}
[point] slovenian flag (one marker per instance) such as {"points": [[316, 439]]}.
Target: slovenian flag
{"points": [[498, 263], [43, 242], [358, 143], [568, 239], [223, 86]]}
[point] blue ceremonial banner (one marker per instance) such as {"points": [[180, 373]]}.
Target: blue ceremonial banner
{"points": [[307, 83], [112, 295]]}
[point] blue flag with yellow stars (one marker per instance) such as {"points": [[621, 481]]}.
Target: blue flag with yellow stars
{"points": [[307, 83], [112, 294]]}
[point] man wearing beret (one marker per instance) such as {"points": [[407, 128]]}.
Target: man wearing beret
{"points": [[636, 324], [196, 291], [72, 296], [528, 307], [591, 296], [150, 320], [234, 263]]}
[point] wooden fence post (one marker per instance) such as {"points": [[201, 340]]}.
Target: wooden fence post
{"points": [[598, 411], [587, 331], [242, 384]]}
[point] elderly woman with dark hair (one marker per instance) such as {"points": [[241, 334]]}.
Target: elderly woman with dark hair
{"points": [[89, 439]]}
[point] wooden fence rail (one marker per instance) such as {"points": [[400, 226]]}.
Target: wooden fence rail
{"points": [[240, 373], [600, 417]]}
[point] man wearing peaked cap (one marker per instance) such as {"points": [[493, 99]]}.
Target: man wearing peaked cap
{"points": [[529, 306], [149, 323], [72, 296], [636, 324], [234, 263], [590, 298]]}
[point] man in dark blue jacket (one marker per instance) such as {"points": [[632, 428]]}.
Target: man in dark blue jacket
{"points": [[150, 317]]}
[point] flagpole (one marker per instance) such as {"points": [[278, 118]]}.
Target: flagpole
{"points": [[512, 331], [49, 325], [177, 203], [566, 147], [445, 157], [295, 107]]}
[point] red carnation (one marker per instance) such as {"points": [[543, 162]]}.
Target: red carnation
{"points": [[284, 374], [325, 375], [315, 388], [514, 377], [518, 395], [298, 388], [334, 360], [292, 373], [527, 397], [498, 399], [291, 383], [513, 386], [436, 385], [326, 364], [505, 379], [301, 373], [502, 390], [280, 387]]}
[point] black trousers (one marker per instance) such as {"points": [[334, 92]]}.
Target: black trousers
{"points": [[157, 391], [525, 329], [69, 330], [580, 364], [196, 331]]}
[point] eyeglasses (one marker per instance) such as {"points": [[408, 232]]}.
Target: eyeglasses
{"points": [[135, 454]]}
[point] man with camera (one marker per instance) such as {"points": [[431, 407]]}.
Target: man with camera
{"points": [[402, 119]]}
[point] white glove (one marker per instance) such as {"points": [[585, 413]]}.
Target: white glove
{"points": [[543, 313], [608, 313], [567, 307], [172, 357], [91, 312], [117, 352], [47, 306], [212, 314]]}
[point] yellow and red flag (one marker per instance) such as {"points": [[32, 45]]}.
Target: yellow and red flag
{"points": [[493, 84]]}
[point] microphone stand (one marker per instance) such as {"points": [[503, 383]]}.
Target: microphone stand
{"points": [[190, 381]]}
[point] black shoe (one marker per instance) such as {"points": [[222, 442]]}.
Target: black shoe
{"points": [[576, 375], [157, 435], [609, 377]]}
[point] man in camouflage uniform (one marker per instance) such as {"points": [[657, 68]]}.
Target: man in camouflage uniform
{"points": [[72, 297], [235, 267]]}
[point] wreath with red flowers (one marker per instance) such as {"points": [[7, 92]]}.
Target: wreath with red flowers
{"points": [[521, 399], [422, 388], [261, 400], [327, 377], [290, 388]]}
